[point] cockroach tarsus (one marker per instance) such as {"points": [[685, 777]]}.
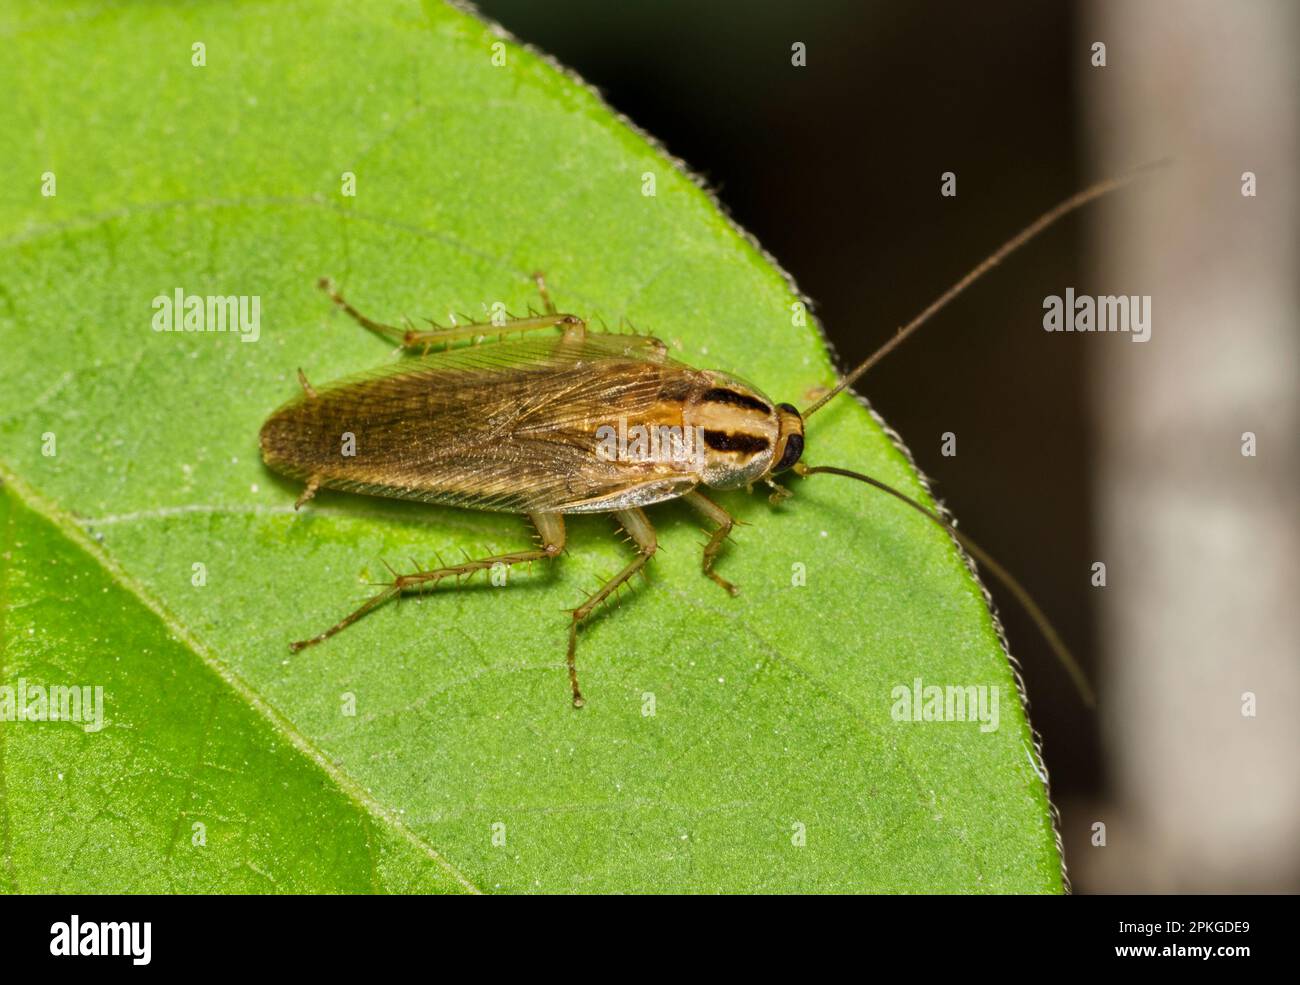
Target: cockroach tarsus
{"points": [[510, 426]]}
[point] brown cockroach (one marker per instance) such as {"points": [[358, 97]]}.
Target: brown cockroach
{"points": [[540, 426]]}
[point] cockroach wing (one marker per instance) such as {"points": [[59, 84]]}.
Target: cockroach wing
{"points": [[513, 426]]}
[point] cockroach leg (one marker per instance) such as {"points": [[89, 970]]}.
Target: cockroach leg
{"points": [[411, 338], [779, 493], [391, 332], [725, 521], [422, 338], [548, 305], [549, 525], [638, 526], [575, 330], [307, 388], [312, 485]]}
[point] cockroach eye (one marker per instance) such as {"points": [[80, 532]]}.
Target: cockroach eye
{"points": [[793, 449]]}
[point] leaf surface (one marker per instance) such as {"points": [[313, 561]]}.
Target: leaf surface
{"points": [[745, 744]]}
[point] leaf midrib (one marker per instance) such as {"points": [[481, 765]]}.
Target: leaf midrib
{"points": [[278, 722], [6, 835]]}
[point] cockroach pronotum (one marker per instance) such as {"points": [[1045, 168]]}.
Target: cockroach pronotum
{"points": [[527, 426]]}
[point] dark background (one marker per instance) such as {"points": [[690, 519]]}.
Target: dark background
{"points": [[836, 167]]}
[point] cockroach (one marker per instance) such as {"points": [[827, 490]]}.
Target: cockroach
{"points": [[527, 426]]}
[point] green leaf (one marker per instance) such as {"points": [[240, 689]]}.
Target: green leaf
{"points": [[772, 711]]}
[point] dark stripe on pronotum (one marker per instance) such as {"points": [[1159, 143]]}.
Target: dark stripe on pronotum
{"points": [[721, 395], [722, 441]]}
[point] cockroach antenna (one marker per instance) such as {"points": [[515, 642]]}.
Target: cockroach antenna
{"points": [[1021, 594], [1048, 218], [448, 429], [1063, 654]]}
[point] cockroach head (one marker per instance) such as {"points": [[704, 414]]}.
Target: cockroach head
{"points": [[789, 444]]}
